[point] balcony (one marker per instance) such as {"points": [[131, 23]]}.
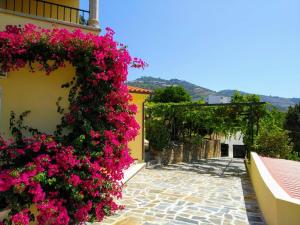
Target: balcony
{"points": [[51, 11]]}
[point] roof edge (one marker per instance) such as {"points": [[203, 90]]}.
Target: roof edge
{"points": [[138, 90]]}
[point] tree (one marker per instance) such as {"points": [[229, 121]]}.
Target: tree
{"points": [[292, 124], [171, 94], [256, 113], [272, 139], [238, 97], [273, 142]]}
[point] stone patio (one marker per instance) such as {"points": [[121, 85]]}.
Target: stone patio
{"points": [[214, 191]]}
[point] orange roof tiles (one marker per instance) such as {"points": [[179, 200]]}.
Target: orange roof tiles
{"points": [[138, 90], [286, 173]]}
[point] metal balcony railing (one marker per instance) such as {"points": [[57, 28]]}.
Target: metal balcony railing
{"points": [[47, 10]]}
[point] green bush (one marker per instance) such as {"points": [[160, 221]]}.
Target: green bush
{"points": [[292, 124], [188, 121], [273, 143], [171, 94], [294, 156], [157, 134]]}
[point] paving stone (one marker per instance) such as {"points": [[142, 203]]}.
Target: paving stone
{"points": [[239, 222], [129, 220], [198, 218], [183, 219], [186, 194], [216, 221], [228, 216]]}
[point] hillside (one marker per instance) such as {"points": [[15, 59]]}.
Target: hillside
{"points": [[198, 92], [152, 83], [279, 102]]}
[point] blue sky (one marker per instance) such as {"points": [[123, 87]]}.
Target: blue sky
{"points": [[252, 46]]}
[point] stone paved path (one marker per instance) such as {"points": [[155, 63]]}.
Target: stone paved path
{"points": [[215, 191]]}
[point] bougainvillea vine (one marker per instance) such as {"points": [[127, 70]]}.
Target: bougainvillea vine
{"points": [[73, 175]]}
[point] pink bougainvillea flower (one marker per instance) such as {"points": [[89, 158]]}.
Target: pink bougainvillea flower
{"points": [[74, 180], [37, 192], [21, 218], [72, 176]]}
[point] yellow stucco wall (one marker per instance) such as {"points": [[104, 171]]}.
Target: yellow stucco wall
{"points": [[136, 146], [17, 18], [69, 3], [276, 210], [37, 92], [36, 8]]}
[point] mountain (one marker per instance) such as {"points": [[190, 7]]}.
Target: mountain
{"points": [[198, 92], [152, 83], [279, 102]]}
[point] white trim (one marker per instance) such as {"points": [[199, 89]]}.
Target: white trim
{"points": [[94, 13], [271, 183], [50, 20], [132, 171]]}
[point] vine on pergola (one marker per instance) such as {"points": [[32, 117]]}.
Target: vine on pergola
{"points": [[72, 176]]}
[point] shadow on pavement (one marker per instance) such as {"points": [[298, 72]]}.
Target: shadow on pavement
{"points": [[222, 168]]}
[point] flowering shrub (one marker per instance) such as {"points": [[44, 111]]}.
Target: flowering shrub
{"points": [[74, 175]]}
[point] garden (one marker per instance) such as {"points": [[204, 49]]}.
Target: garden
{"points": [[181, 130]]}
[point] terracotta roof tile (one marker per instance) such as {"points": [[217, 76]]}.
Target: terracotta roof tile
{"points": [[286, 173], [138, 90]]}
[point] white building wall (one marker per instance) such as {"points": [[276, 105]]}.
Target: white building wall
{"points": [[215, 99], [236, 139]]}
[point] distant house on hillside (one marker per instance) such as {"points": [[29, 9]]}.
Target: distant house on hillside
{"points": [[216, 99]]}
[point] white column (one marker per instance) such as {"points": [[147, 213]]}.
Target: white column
{"points": [[94, 13]]}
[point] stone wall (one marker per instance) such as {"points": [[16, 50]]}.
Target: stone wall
{"points": [[205, 150], [188, 152]]}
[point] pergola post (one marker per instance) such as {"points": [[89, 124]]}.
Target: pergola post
{"points": [[94, 13]]}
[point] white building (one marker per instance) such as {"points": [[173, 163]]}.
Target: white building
{"points": [[216, 99], [235, 145]]}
